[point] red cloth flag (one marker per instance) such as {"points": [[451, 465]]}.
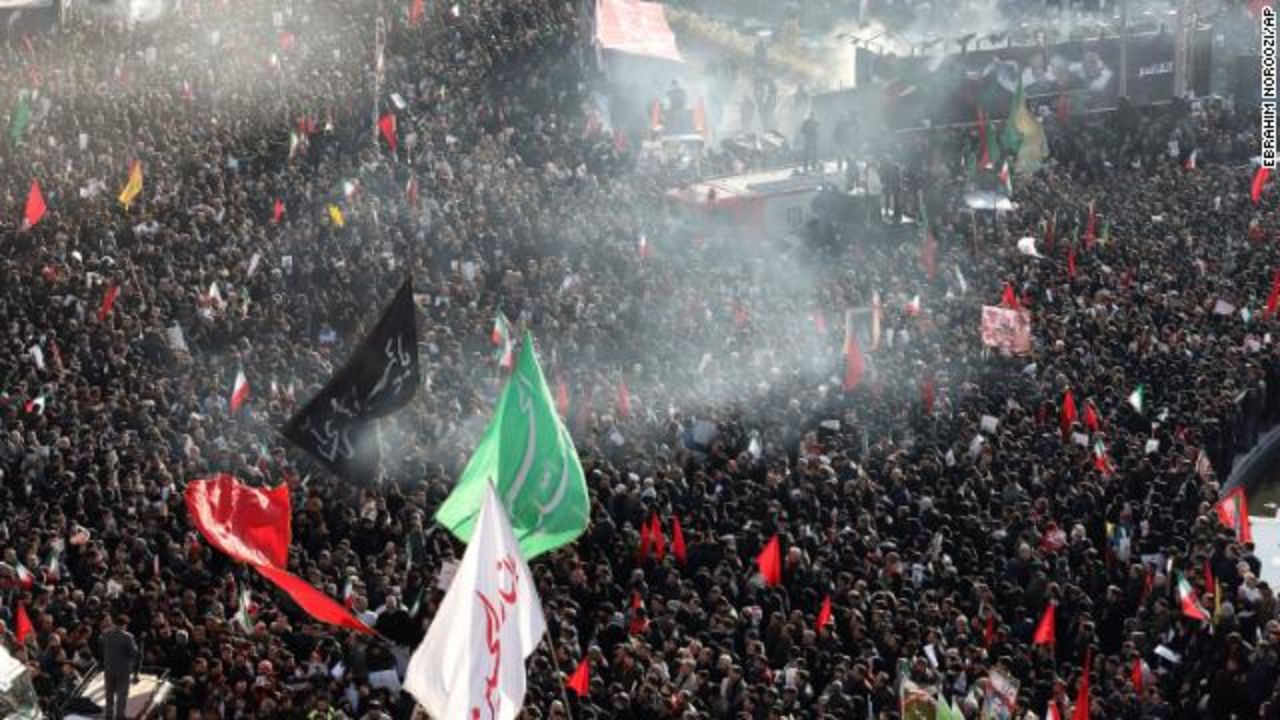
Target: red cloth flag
{"points": [[659, 540], [770, 562], [1233, 512], [277, 211], [246, 523], [387, 126], [416, 11], [35, 206], [1135, 675], [677, 541], [1259, 182], [1052, 712], [108, 302], [1081, 709], [1091, 420], [824, 614], [989, 632], [312, 601], [646, 539], [562, 398], [1045, 631], [22, 624], [1068, 414], [624, 400], [1208, 577], [25, 578], [638, 623], [1008, 299], [1273, 297], [853, 365], [239, 391], [580, 681], [1071, 263]]}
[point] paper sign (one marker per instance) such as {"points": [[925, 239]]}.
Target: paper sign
{"points": [[445, 577], [1009, 330], [1153, 446], [989, 424]]}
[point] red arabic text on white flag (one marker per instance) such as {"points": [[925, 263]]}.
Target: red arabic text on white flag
{"points": [[471, 664]]}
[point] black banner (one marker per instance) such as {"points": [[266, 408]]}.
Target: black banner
{"points": [[381, 377]]}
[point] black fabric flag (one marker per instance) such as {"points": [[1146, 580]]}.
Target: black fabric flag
{"points": [[381, 377]]}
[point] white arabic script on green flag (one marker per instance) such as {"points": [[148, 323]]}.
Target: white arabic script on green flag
{"points": [[529, 456]]}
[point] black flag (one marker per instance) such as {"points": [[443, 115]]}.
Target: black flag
{"points": [[380, 377]]}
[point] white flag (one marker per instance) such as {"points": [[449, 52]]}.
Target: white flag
{"points": [[471, 663]]}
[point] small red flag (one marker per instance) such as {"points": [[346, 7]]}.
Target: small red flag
{"points": [[580, 681], [1208, 577], [1091, 420], [1009, 299], [1259, 182], [770, 562], [1068, 414], [108, 302], [1273, 298], [35, 206], [677, 540], [1045, 634], [646, 539], [562, 398], [989, 632], [824, 614], [659, 540], [1081, 710], [22, 624], [624, 400], [1233, 512], [853, 365], [638, 623], [1135, 675], [1071, 263], [277, 211], [416, 11], [387, 126]]}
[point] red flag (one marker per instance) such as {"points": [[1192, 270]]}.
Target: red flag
{"points": [[1091, 420], [416, 11], [1091, 227], [926, 394], [1008, 298], [770, 563], [22, 624], [624, 400], [562, 398], [1081, 710], [248, 524], [638, 622], [1045, 634], [312, 601], [387, 126], [659, 540], [1273, 298], [580, 681], [1071, 263], [824, 614], [1068, 414], [1208, 577], [1259, 181], [35, 206], [277, 211], [853, 365], [989, 632], [1052, 712], [1233, 512], [1148, 582], [1135, 675], [646, 539], [239, 391], [108, 302], [677, 540]]}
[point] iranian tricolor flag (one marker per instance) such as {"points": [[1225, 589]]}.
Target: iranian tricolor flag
{"points": [[244, 611], [348, 594], [1101, 460], [25, 578], [1006, 180], [239, 391], [503, 342], [1233, 512], [1190, 604]]}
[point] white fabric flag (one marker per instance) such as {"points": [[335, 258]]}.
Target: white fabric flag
{"points": [[471, 663]]}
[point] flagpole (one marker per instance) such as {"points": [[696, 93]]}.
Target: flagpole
{"points": [[564, 694]]}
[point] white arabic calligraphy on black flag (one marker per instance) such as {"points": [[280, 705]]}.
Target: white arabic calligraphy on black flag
{"points": [[381, 377]]}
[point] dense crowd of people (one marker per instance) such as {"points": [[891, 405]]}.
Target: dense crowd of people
{"points": [[503, 194]]}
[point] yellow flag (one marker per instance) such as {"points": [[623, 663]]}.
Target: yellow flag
{"points": [[335, 215], [133, 187]]}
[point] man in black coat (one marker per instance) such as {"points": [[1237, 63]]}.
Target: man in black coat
{"points": [[119, 661]]}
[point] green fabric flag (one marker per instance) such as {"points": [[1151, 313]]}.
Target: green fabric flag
{"points": [[1012, 137], [20, 119], [1032, 147], [993, 143], [529, 456], [946, 710]]}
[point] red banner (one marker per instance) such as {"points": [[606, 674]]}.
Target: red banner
{"points": [[638, 28], [248, 524]]}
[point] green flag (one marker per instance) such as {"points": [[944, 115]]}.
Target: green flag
{"points": [[20, 119], [946, 710], [528, 455], [1012, 138], [1032, 147]]}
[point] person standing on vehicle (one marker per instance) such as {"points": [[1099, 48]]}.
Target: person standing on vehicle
{"points": [[119, 663]]}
